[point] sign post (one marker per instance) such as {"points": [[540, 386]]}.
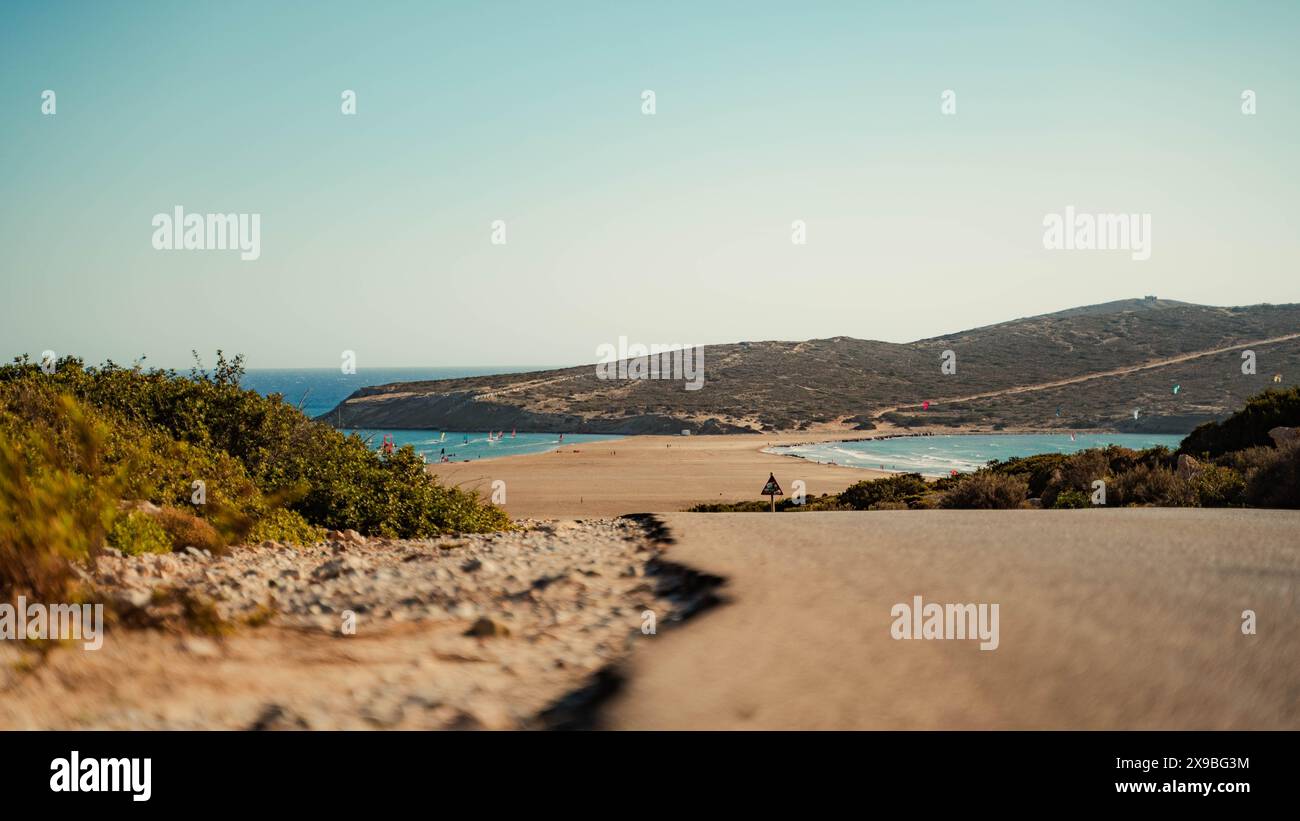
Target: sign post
{"points": [[772, 489]]}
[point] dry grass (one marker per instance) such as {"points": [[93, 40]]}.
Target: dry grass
{"points": [[187, 530]]}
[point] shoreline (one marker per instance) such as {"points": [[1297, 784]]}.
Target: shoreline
{"points": [[840, 436], [646, 474], [927, 434], [486, 454], [651, 473]]}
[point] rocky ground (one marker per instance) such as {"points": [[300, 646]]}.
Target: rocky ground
{"points": [[509, 630]]}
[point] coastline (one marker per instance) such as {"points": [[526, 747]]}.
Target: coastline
{"points": [[458, 447], [649, 474], [934, 434], [666, 474]]}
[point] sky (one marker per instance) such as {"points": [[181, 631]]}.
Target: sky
{"points": [[671, 227]]}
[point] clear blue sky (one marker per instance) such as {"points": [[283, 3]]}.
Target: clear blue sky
{"points": [[671, 228]]}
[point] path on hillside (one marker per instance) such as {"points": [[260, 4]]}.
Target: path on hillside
{"points": [[520, 386], [1155, 363], [1125, 618]]}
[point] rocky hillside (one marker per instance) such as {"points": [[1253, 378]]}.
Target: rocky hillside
{"points": [[1090, 366]]}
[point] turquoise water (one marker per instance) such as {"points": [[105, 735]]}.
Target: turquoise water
{"points": [[940, 455], [317, 390], [468, 447]]}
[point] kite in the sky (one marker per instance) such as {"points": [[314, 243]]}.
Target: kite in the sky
{"points": [[1176, 389]]}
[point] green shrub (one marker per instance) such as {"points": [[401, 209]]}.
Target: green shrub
{"points": [[889, 506], [1037, 470], [1147, 485], [901, 487], [749, 506], [137, 532], [1249, 461], [254, 453], [944, 483], [1217, 486], [1247, 427], [56, 502], [286, 527], [1269, 474], [1072, 499], [1275, 479], [784, 504], [986, 490], [826, 501], [1076, 472]]}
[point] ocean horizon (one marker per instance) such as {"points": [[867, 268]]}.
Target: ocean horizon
{"points": [[316, 391]]}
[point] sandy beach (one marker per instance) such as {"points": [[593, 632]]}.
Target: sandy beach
{"points": [[652, 473]]}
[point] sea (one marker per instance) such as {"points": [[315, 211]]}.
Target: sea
{"points": [[318, 390], [964, 453]]}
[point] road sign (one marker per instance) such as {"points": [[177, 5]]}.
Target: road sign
{"points": [[772, 489]]}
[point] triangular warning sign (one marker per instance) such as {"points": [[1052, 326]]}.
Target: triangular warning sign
{"points": [[772, 488]]}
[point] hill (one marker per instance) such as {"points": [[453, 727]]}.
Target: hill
{"points": [[1085, 367]]}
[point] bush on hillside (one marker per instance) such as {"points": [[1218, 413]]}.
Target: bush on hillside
{"points": [[1049, 474], [889, 506], [286, 527], [1150, 486], [254, 453], [1037, 470], [1273, 477], [783, 504], [137, 532], [900, 487], [1076, 472], [986, 490], [56, 501], [185, 529], [1218, 486], [1247, 427], [748, 506], [1071, 499]]}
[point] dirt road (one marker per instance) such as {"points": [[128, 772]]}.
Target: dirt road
{"points": [[1108, 619], [1088, 377]]}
